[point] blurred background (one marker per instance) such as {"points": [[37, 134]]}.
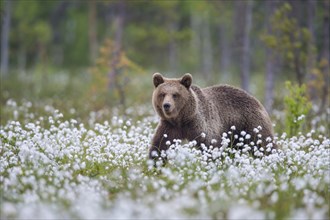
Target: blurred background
{"points": [[89, 55]]}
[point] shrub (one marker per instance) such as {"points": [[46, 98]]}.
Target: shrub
{"points": [[297, 107]]}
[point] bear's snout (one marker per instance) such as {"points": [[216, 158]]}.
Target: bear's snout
{"points": [[167, 106]]}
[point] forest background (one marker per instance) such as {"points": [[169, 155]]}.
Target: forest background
{"points": [[90, 55]]}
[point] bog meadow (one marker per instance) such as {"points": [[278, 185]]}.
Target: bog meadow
{"points": [[77, 118]]}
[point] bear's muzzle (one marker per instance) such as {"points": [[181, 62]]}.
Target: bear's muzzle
{"points": [[167, 107]]}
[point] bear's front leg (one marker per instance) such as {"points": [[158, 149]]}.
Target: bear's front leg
{"points": [[163, 134]]}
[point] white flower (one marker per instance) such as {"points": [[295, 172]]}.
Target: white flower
{"points": [[240, 144], [203, 135], [225, 142], [243, 133], [233, 128], [163, 154], [159, 163], [154, 154], [165, 135], [268, 139], [193, 143], [47, 158], [301, 117]]}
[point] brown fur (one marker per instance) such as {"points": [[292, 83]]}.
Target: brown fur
{"points": [[212, 110]]}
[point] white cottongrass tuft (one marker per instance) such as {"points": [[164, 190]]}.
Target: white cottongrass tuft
{"points": [[53, 168], [248, 136]]}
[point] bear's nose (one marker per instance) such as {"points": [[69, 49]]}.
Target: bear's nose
{"points": [[167, 106]]}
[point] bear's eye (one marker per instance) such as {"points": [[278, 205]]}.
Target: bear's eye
{"points": [[162, 95], [175, 95]]}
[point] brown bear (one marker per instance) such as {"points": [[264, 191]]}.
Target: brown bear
{"points": [[204, 114]]}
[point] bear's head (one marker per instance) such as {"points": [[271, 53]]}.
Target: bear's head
{"points": [[173, 98]]}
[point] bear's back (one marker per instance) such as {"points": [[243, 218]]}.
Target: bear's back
{"points": [[236, 107], [231, 97]]}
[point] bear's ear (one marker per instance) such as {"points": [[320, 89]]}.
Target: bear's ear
{"points": [[186, 80], [157, 79]]}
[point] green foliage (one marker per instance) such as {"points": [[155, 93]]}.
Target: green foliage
{"points": [[147, 40], [31, 32], [159, 35], [289, 41], [76, 42], [297, 107]]}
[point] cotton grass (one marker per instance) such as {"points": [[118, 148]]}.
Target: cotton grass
{"points": [[57, 168]]}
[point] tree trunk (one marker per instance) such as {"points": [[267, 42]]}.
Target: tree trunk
{"points": [[225, 53], [57, 48], [195, 43], [270, 62], [326, 34], [5, 38], [92, 29], [245, 66], [298, 66], [311, 9], [325, 57], [207, 52], [172, 48], [311, 55], [22, 59], [297, 11], [113, 81]]}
